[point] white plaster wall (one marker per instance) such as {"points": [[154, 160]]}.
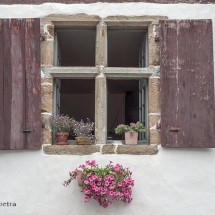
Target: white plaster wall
{"points": [[173, 11], [173, 182]]}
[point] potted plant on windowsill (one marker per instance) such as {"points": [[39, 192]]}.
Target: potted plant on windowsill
{"points": [[131, 131], [83, 131], [104, 184], [62, 125]]}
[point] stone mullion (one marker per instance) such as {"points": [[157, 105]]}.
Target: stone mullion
{"points": [[101, 44], [100, 108], [101, 85]]}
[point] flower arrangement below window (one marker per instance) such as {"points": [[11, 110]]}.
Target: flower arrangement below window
{"points": [[111, 183]]}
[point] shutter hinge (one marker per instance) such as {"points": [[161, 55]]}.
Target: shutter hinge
{"points": [[174, 129]]}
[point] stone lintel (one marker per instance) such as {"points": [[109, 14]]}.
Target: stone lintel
{"points": [[104, 149], [136, 73], [71, 72], [126, 24], [132, 21], [76, 23]]}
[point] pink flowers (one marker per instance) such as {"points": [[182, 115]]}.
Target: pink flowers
{"points": [[105, 185]]}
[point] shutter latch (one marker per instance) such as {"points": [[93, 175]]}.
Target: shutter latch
{"points": [[174, 129], [27, 131]]}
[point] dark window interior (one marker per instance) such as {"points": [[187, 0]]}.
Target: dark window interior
{"points": [[77, 46], [123, 103], [123, 47]]}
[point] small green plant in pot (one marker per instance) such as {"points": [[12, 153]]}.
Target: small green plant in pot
{"points": [[83, 131], [62, 125], [131, 131]]}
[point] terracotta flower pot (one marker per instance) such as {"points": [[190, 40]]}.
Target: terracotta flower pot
{"points": [[83, 140], [62, 138], [131, 137]]}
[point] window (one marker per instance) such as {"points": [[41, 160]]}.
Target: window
{"points": [[120, 82]]}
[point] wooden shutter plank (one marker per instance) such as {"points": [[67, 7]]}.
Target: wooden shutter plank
{"points": [[7, 84], [187, 86], [33, 84], [17, 52], [202, 91], [1, 86], [20, 72]]}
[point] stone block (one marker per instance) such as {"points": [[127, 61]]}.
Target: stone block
{"points": [[47, 53], [153, 119], [46, 136], [154, 45], [47, 80], [70, 149], [108, 149], [154, 95], [47, 97], [137, 150], [46, 119], [50, 29], [154, 136]]}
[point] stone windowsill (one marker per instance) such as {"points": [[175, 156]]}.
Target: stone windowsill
{"points": [[103, 149]]}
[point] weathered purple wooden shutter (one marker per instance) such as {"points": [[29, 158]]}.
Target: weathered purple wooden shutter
{"points": [[20, 99], [187, 84]]}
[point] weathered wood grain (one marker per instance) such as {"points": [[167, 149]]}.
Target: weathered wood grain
{"points": [[20, 84], [187, 84], [7, 83], [33, 83], [17, 52], [1, 86]]}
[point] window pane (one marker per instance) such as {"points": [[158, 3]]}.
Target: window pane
{"points": [[77, 46], [125, 48]]}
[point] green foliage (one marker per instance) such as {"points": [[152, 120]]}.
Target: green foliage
{"points": [[138, 126]]}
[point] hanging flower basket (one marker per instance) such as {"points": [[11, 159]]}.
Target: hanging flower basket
{"points": [[104, 184]]}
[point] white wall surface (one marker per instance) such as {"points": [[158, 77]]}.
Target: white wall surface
{"points": [[173, 182], [173, 11]]}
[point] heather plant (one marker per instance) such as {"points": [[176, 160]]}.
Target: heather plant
{"points": [[61, 123], [104, 184], [138, 126], [81, 128]]}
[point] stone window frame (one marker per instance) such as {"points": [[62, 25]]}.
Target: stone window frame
{"points": [[100, 72]]}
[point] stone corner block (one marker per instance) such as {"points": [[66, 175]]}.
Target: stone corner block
{"points": [[47, 52], [155, 136], [154, 95], [47, 97], [153, 120], [46, 136]]}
